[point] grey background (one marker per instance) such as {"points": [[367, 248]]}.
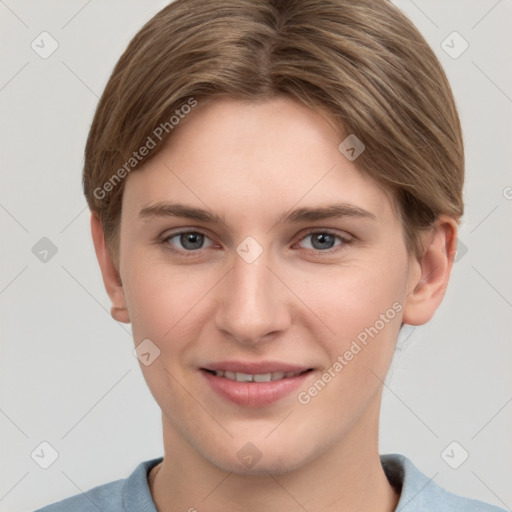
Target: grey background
{"points": [[68, 376]]}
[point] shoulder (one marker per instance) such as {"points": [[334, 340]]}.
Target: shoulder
{"points": [[104, 497], [422, 494], [112, 496]]}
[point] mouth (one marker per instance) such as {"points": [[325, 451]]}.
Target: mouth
{"points": [[255, 385], [256, 377]]}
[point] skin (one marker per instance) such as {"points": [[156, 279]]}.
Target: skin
{"points": [[251, 163]]}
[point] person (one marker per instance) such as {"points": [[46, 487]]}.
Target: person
{"points": [[276, 189]]}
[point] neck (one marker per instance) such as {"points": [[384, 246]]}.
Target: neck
{"points": [[346, 477]]}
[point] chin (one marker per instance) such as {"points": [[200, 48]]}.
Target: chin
{"points": [[261, 457], [264, 467]]}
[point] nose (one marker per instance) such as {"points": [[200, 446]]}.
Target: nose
{"points": [[252, 304]]}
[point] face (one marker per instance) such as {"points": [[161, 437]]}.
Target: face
{"points": [[271, 275]]}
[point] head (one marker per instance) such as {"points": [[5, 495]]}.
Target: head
{"points": [[233, 221]]}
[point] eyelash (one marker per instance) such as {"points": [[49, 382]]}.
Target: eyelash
{"points": [[344, 241], [191, 253]]}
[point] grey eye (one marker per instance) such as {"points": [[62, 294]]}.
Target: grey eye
{"points": [[189, 241], [320, 241]]}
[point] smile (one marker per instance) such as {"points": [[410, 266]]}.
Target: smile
{"points": [[258, 377], [255, 389]]}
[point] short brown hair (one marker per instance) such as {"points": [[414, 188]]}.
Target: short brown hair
{"points": [[361, 60]]}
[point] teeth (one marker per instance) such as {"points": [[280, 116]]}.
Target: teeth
{"points": [[259, 377], [262, 377]]}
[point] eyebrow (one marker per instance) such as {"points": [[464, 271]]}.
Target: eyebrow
{"points": [[326, 212], [165, 209]]}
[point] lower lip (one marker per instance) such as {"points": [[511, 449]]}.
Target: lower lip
{"points": [[254, 394]]}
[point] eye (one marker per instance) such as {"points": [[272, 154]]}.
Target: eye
{"points": [[321, 241], [189, 240]]}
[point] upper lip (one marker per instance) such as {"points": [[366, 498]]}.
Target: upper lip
{"points": [[256, 367]]}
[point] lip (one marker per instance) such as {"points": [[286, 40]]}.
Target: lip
{"points": [[254, 394]]}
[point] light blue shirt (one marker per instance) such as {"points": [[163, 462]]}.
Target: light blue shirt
{"points": [[419, 493]]}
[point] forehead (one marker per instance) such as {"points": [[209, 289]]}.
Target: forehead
{"points": [[255, 157]]}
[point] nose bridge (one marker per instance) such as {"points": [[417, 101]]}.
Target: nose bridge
{"points": [[252, 305]]}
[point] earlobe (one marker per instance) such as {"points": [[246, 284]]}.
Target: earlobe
{"points": [[433, 268], [109, 272]]}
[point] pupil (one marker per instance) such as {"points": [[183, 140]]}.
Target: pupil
{"points": [[322, 241], [192, 240]]}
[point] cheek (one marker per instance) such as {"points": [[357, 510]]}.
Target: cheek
{"points": [[165, 307], [353, 296], [157, 297], [169, 304], [362, 307]]}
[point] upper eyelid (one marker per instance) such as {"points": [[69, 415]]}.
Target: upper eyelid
{"points": [[186, 231], [302, 234], [333, 232], [180, 231]]}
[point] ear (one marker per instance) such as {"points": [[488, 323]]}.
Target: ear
{"points": [[430, 273], [109, 272]]}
